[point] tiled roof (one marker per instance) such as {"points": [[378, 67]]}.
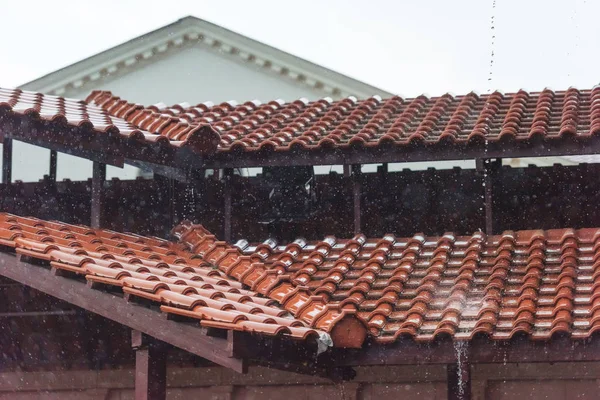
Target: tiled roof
{"points": [[153, 269], [372, 122], [63, 112], [324, 124], [535, 283]]}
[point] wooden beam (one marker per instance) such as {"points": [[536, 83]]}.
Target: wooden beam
{"points": [[227, 205], [76, 148], [98, 178], [356, 195], [53, 165], [150, 367], [83, 142], [397, 154], [7, 152], [37, 314], [151, 322], [481, 350], [170, 172]]}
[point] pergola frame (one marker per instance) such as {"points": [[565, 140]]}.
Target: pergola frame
{"points": [[236, 350], [153, 333], [116, 150]]}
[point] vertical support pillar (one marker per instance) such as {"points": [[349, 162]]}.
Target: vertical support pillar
{"points": [[487, 168], [7, 146], [356, 194], [347, 170], [98, 178], [193, 193], [227, 210], [53, 164], [459, 380], [172, 202], [150, 367]]}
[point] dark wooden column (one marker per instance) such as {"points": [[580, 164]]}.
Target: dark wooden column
{"points": [[150, 367], [193, 195], [172, 200], [7, 146], [356, 194], [98, 178], [487, 168], [459, 380], [227, 205], [53, 163], [347, 170]]}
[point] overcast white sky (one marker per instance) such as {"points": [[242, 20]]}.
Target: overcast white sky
{"points": [[407, 47]]}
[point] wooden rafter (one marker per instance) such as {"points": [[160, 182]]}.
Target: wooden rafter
{"points": [[184, 336]]}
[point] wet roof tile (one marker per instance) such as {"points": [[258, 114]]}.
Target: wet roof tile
{"points": [[153, 269], [373, 122], [324, 124], [65, 112], [534, 283]]}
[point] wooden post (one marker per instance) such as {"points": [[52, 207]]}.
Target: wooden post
{"points": [[53, 163], [193, 191], [347, 170], [98, 178], [487, 168], [172, 201], [459, 380], [227, 211], [356, 176], [7, 146], [150, 367]]}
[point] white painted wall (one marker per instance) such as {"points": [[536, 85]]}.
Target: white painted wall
{"points": [[195, 74]]}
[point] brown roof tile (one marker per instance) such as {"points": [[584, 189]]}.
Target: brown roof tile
{"points": [[325, 124], [63, 111], [536, 283], [77, 113], [373, 122], [153, 269]]}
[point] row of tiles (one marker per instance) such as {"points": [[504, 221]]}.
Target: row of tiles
{"points": [[372, 122], [280, 126], [527, 282], [63, 112], [154, 269]]}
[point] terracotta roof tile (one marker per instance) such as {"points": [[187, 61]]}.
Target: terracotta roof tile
{"points": [[64, 111], [536, 283], [113, 120], [325, 124], [372, 122], [153, 269]]}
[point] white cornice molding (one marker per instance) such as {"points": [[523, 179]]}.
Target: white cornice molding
{"points": [[191, 31]]}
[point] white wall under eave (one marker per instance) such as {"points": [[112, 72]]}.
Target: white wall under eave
{"points": [[195, 75]]}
